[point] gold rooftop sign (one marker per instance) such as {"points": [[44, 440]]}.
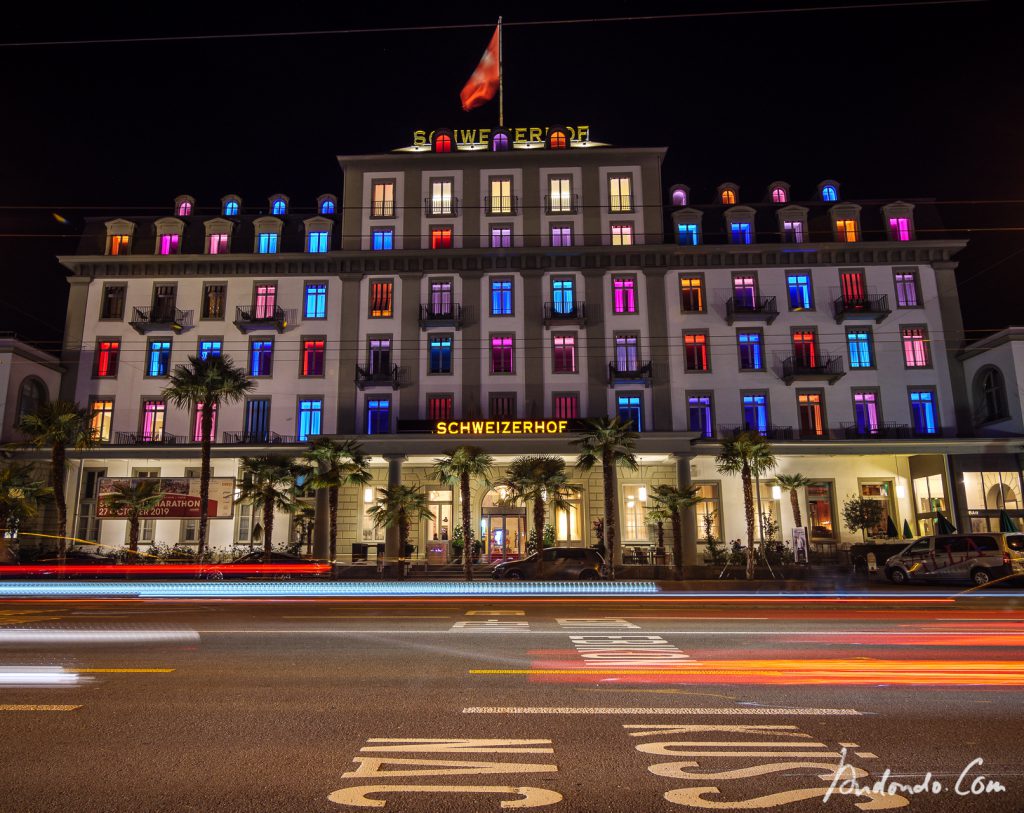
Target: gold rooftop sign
{"points": [[518, 136]]}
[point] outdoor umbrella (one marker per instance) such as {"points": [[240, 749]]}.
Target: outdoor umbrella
{"points": [[943, 525], [1006, 523], [906, 530], [890, 530]]}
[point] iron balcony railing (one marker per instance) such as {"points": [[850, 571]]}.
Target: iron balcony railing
{"points": [[437, 314], [575, 311], [821, 365], [568, 204], [382, 208], [252, 317], [869, 306], [257, 437], [160, 318], [769, 431], [441, 207], [881, 429], [140, 438], [385, 377], [751, 308], [636, 370], [620, 204], [501, 205]]}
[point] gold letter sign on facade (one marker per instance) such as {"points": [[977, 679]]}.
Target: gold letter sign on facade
{"points": [[520, 135], [500, 427]]}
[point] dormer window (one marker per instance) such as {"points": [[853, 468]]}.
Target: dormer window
{"points": [[218, 235], [680, 196], [740, 225], [230, 206], [168, 235], [318, 235], [183, 205], [829, 191], [119, 237], [792, 224], [688, 226], [558, 139], [499, 141], [846, 223], [779, 192], [326, 204], [268, 235], [279, 205], [442, 142], [899, 221], [728, 194]]}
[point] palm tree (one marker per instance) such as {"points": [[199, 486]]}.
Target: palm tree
{"points": [[670, 502], [20, 493], [58, 425], [131, 499], [396, 507], [305, 523], [791, 483], [456, 467], [331, 466], [268, 483], [610, 442], [541, 479], [749, 455], [203, 384]]}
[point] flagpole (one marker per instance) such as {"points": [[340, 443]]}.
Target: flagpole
{"points": [[501, 84]]}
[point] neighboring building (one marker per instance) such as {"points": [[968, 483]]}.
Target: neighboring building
{"points": [[28, 377], [523, 276]]}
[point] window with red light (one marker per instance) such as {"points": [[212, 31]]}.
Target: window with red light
{"points": [[566, 405], [313, 357], [107, 354], [441, 237], [502, 354], [695, 348], [558, 140], [443, 143], [118, 244], [381, 294], [439, 407], [805, 348], [564, 352]]}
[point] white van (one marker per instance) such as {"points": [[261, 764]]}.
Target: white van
{"points": [[979, 558]]}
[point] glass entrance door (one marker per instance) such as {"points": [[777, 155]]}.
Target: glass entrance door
{"points": [[505, 536]]}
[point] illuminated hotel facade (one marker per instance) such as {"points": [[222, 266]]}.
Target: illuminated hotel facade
{"points": [[494, 288]]}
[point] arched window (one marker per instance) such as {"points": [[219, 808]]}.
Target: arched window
{"points": [[558, 140], [231, 208], [327, 206], [829, 193], [278, 207], [728, 197], [779, 195], [500, 142], [31, 396], [442, 142], [184, 208], [989, 395], [679, 197]]}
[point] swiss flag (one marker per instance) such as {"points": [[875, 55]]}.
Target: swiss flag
{"points": [[483, 84]]}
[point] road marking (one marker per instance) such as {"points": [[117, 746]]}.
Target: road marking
{"points": [[727, 710], [587, 672], [530, 797], [367, 617], [490, 626], [495, 612], [752, 633], [125, 671], [37, 708]]}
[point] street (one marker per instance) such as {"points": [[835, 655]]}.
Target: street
{"points": [[629, 703]]}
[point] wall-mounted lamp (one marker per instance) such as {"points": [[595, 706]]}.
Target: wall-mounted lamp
{"points": [[642, 493], [901, 492], [368, 494], [776, 492]]}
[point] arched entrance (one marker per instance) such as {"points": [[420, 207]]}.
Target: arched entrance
{"points": [[503, 527]]}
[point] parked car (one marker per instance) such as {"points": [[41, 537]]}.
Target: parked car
{"points": [[46, 566], [979, 558], [281, 566], [559, 563]]}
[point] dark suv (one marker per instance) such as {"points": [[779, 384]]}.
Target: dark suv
{"points": [[559, 563]]}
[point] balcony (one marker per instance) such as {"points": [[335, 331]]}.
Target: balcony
{"points": [[441, 315], [495, 205], [881, 431], [441, 207], [872, 306], [387, 377], [145, 320], [771, 431], [561, 204], [637, 372], [140, 439], [822, 367], [565, 313], [257, 438], [382, 208], [620, 204], [260, 318], [754, 309]]}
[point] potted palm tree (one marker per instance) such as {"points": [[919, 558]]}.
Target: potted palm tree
{"points": [[268, 483], [332, 465], [20, 493], [203, 384], [59, 425], [542, 480], [457, 467], [396, 507], [610, 442], [131, 499], [748, 455], [670, 502]]}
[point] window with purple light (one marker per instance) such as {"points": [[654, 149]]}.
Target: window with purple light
{"points": [[502, 354], [699, 407], [793, 231], [678, 197], [624, 294], [500, 142], [561, 236], [169, 243], [779, 195], [865, 410], [184, 208], [501, 236], [899, 228]]}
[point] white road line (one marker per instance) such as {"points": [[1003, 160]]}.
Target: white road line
{"points": [[832, 633], [728, 710]]}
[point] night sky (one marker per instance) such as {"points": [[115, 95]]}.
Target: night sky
{"points": [[893, 102]]}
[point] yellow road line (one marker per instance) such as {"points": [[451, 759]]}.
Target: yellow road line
{"points": [[582, 672], [131, 671], [367, 617], [38, 708]]}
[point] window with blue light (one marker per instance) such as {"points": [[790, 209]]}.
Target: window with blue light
{"points": [[700, 415], [861, 351], [310, 416], [317, 242], [755, 413], [383, 239], [630, 408], [563, 295], [922, 412], [440, 357], [231, 208], [829, 193], [327, 207], [158, 358], [316, 301], [209, 347], [279, 207], [688, 235], [261, 356], [740, 233], [501, 297], [267, 243], [800, 298], [378, 416], [751, 351]]}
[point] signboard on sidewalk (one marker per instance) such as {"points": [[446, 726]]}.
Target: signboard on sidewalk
{"points": [[800, 546], [180, 497]]}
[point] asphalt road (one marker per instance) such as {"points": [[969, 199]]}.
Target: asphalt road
{"points": [[631, 704]]}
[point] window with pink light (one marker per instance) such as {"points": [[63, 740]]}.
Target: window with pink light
{"points": [[899, 228], [169, 243], [779, 195], [624, 294], [502, 354], [218, 243], [197, 425], [184, 208]]}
